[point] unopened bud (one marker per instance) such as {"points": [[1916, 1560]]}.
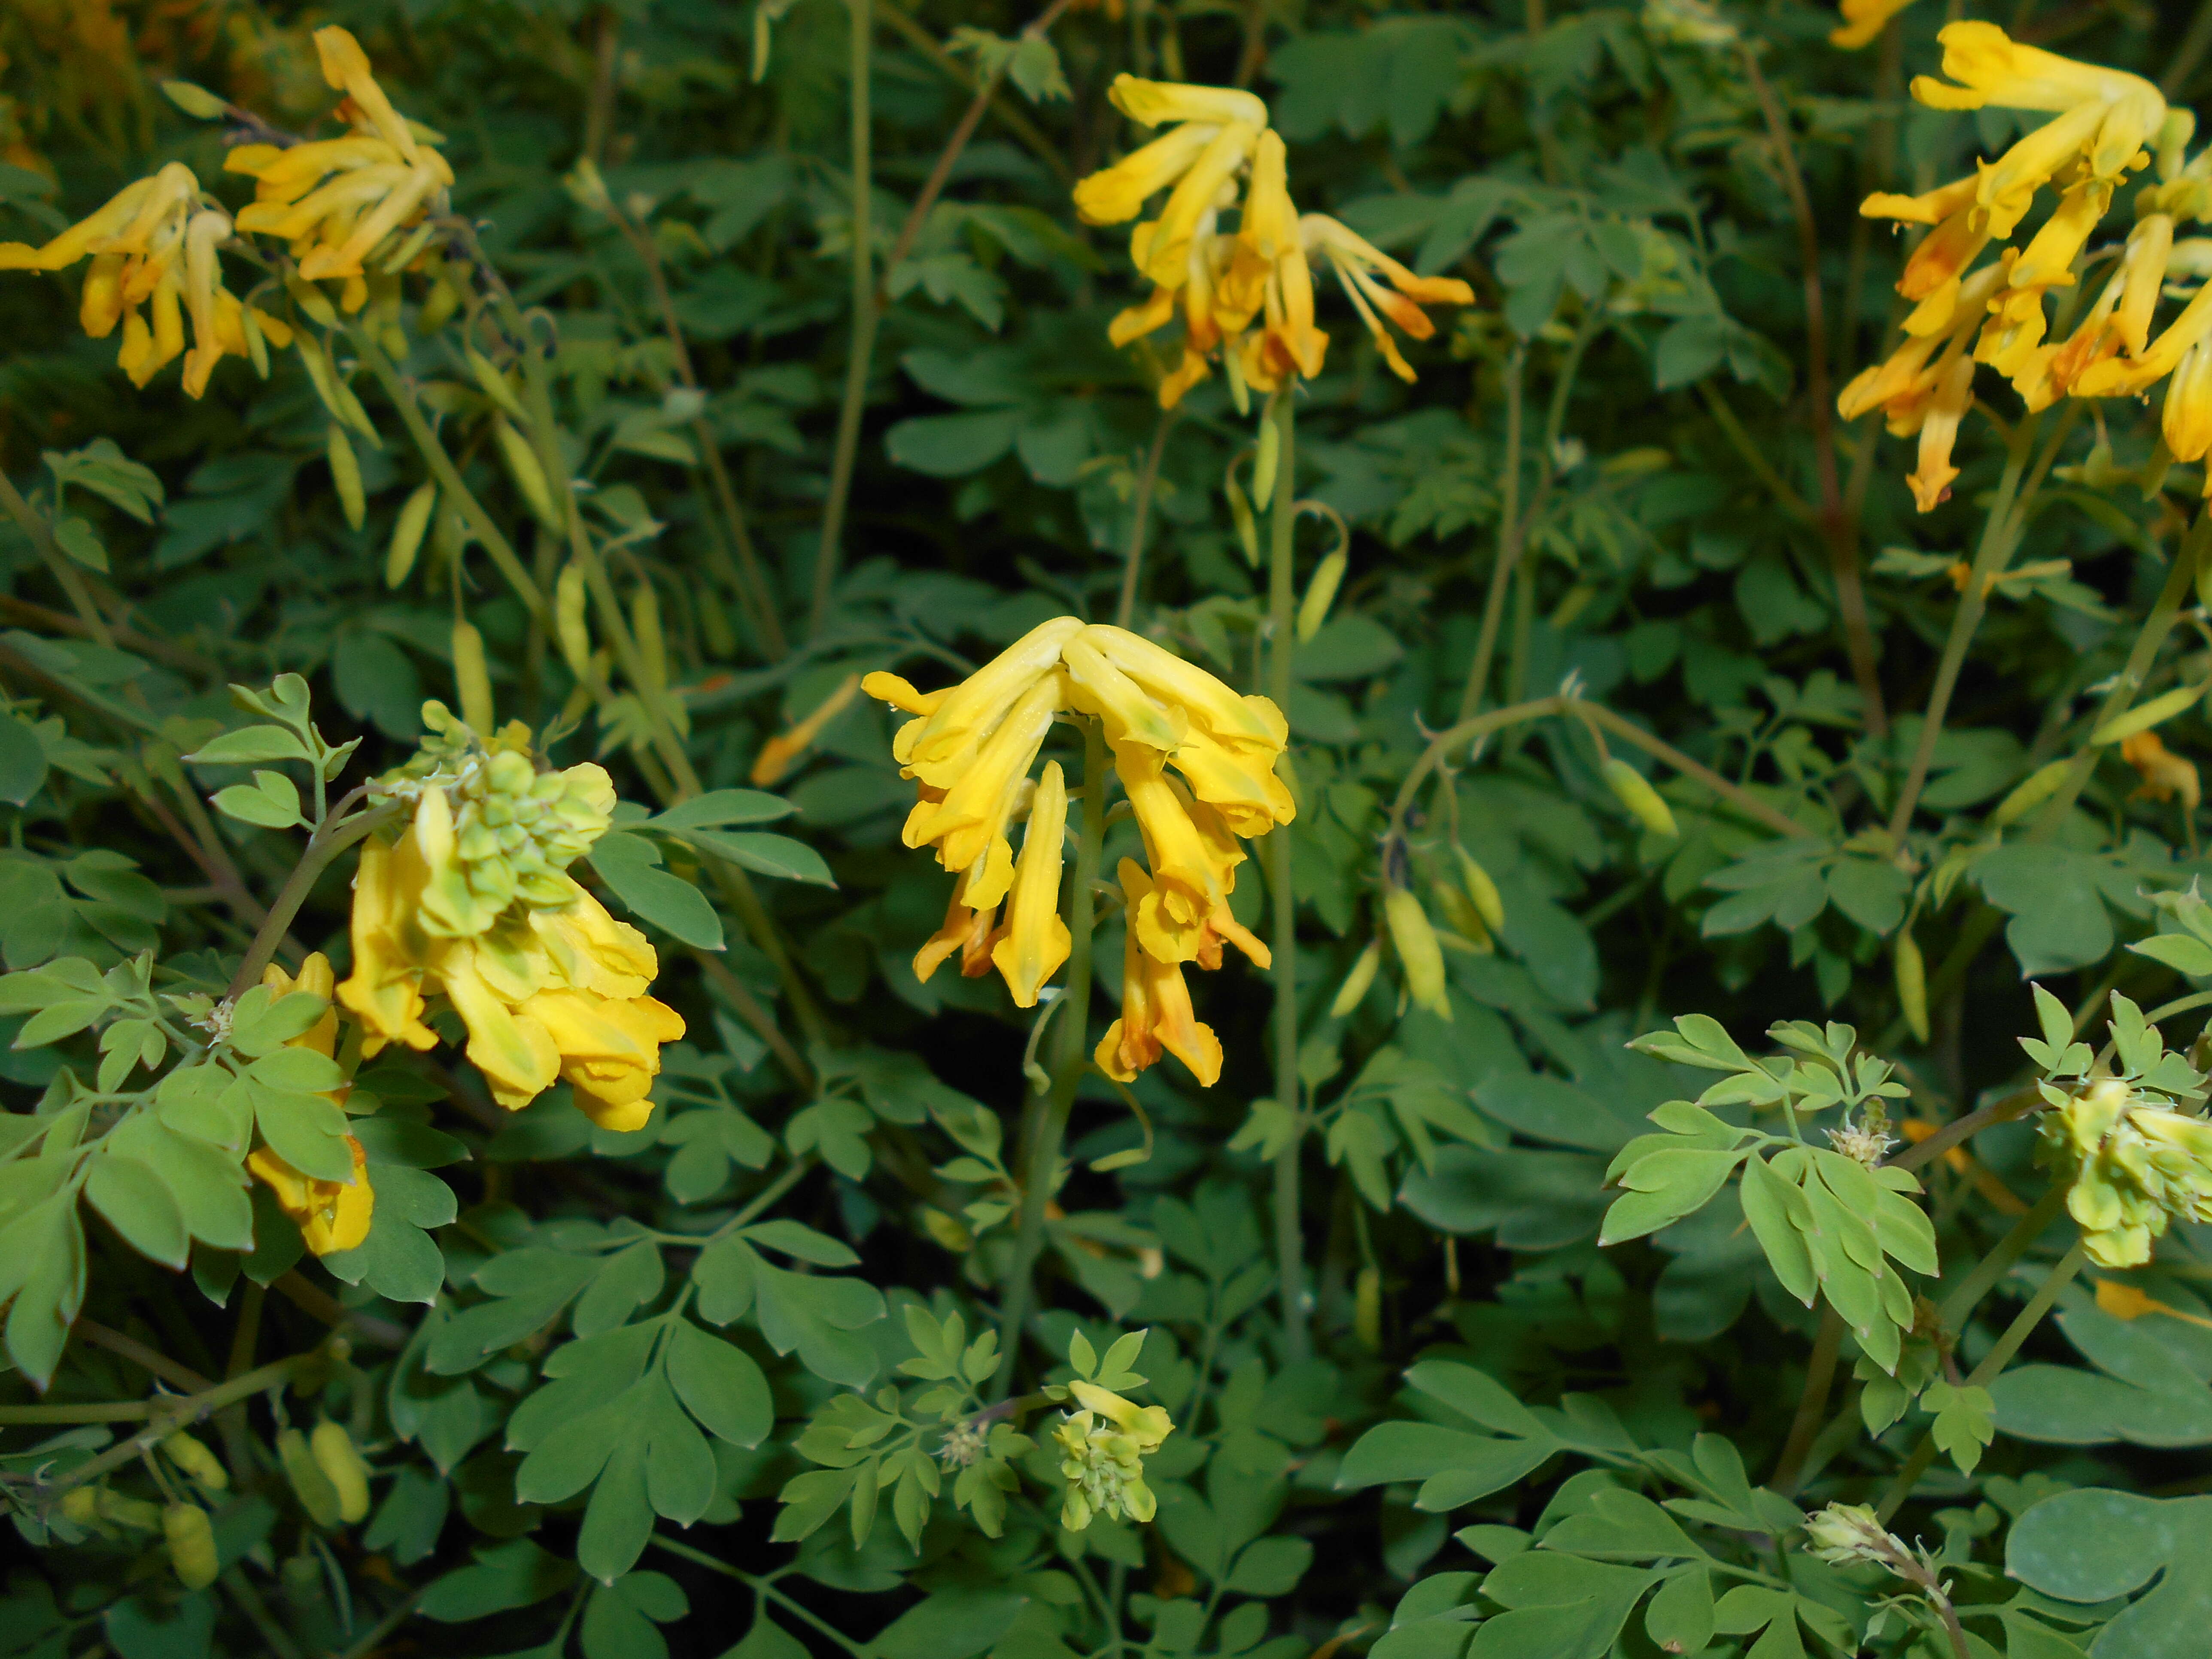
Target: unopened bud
{"points": [[191, 1545], [1320, 593], [1353, 991], [309, 1484], [196, 1461], [2039, 786], [1634, 791], [1912, 983], [1482, 889], [473, 676], [407, 531], [340, 1460], [345, 476], [1419, 954]]}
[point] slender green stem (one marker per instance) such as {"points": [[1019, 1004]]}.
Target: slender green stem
{"points": [[766, 1589], [426, 441], [331, 837], [1049, 1112], [866, 315], [1509, 538], [1812, 1403], [169, 1414], [277, 1641], [1995, 1361], [2000, 533], [1282, 892], [1133, 561], [1749, 452], [378, 1633], [31, 524], [2189, 54], [1998, 1262]]}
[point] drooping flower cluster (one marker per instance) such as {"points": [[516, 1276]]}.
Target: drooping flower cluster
{"points": [[1197, 763], [2107, 126], [472, 904], [331, 1215], [1221, 283], [153, 244], [1103, 1451], [2135, 1164]]}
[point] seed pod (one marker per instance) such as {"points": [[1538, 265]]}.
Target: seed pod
{"points": [[1912, 983], [1240, 514], [311, 299], [652, 645], [196, 1461], [493, 384], [1265, 463], [2156, 712], [1481, 890], [1367, 1308], [407, 533], [569, 600], [473, 676], [713, 620], [1415, 942], [345, 474], [1320, 593], [80, 1506], [191, 1545], [529, 476], [1353, 991], [438, 307], [1638, 795], [2037, 787], [136, 1512], [340, 1460], [309, 1484], [257, 346], [1461, 915]]}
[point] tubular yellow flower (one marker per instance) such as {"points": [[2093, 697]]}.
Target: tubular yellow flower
{"points": [[970, 821], [1119, 193], [1156, 1015], [781, 752], [1356, 261], [331, 1215], [1103, 1451], [1035, 940], [2165, 773], [1863, 20], [1148, 103], [2186, 419], [1939, 428], [966, 929]]}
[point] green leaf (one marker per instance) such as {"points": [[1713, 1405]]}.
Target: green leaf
{"points": [[719, 1384], [136, 1201], [1965, 1421], [249, 746], [765, 855], [22, 762], [77, 538], [504, 1577], [720, 807], [631, 865], [196, 101]]}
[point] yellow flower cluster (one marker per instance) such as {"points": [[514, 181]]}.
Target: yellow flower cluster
{"points": [[550, 985], [970, 748], [1222, 282], [331, 1215], [2133, 1164], [154, 243], [2106, 126]]}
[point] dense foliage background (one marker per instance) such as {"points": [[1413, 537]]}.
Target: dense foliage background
{"points": [[1618, 474]]}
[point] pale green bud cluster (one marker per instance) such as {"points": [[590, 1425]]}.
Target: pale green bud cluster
{"points": [[1847, 1533], [1103, 1449], [2135, 1164], [516, 831]]}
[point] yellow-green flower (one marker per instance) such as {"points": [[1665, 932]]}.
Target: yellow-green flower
{"points": [[2135, 1164], [1156, 1015], [1863, 20], [331, 1215], [1103, 1451], [1035, 940]]}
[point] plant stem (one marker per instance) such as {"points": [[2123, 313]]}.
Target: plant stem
{"points": [[1999, 534], [1812, 1403], [169, 1414], [1995, 1361], [1282, 633], [1133, 561], [1836, 527], [1012, 118], [1509, 538], [1998, 1262], [1048, 1115], [331, 837], [449, 476], [65, 571], [766, 1589], [865, 317], [151, 1360], [1749, 452]]}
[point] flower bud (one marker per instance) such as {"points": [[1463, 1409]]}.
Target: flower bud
{"points": [[1415, 942], [529, 476], [309, 1484], [191, 1545], [494, 385], [1320, 593], [340, 1460], [1635, 792]]}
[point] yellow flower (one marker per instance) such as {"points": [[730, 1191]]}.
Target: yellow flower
{"points": [[379, 180], [781, 752], [1954, 394], [331, 1215], [1103, 1451], [2165, 773], [1156, 1009], [154, 243], [1036, 941], [1356, 261], [970, 748], [2104, 116], [548, 985], [1863, 20]]}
